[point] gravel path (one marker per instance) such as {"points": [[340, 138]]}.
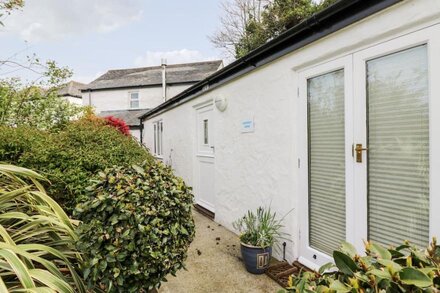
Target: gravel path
{"points": [[214, 266]]}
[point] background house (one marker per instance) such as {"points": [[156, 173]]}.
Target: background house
{"points": [[336, 119], [71, 91], [126, 93]]}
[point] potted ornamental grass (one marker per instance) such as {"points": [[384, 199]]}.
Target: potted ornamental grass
{"points": [[259, 231]]}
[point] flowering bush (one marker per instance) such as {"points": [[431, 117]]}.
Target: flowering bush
{"points": [[119, 124], [69, 158]]}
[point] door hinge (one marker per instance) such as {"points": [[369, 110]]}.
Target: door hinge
{"points": [[299, 234], [297, 92], [299, 163]]}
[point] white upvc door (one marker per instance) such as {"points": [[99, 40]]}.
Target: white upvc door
{"points": [[396, 116], [391, 115], [204, 189], [326, 162]]}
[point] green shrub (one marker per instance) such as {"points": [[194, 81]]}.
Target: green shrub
{"points": [[402, 269], [137, 227], [70, 157], [37, 239], [14, 142]]}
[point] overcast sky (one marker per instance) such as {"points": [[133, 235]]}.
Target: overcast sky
{"points": [[92, 36]]}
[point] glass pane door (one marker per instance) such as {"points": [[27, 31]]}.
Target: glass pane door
{"points": [[326, 135], [398, 142]]}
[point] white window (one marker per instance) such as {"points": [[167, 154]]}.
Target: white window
{"points": [[158, 133], [134, 100]]}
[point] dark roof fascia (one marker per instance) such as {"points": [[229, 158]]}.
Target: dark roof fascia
{"points": [[340, 15], [70, 95], [86, 90]]}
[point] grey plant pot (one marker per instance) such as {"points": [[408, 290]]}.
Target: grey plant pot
{"points": [[256, 259]]}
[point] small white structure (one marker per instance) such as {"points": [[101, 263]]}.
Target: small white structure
{"points": [[289, 125], [127, 93], [71, 92]]}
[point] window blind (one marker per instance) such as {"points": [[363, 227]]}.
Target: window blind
{"points": [[398, 141], [326, 161]]}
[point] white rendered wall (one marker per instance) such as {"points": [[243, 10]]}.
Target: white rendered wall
{"points": [[261, 168], [119, 99], [136, 133], [73, 100]]}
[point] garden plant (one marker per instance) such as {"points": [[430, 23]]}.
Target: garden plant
{"points": [[37, 239], [137, 227], [405, 268], [258, 233], [71, 156]]}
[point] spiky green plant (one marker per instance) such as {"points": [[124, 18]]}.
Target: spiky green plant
{"points": [[37, 238], [261, 229]]}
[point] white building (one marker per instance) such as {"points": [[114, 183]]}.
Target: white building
{"points": [[127, 93], [288, 126], [71, 92]]}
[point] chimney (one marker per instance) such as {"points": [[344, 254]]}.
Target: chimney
{"points": [[164, 79]]}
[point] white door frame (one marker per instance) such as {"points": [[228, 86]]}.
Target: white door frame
{"points": [[355, 131], [204, 154], [430, 37], [309, 256]]}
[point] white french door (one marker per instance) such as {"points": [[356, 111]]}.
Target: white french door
{"points": [[368, 155]]}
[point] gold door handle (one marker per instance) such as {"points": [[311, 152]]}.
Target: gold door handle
{"points": [[359, 150]]}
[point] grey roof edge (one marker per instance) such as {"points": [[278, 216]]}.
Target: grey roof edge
{"points": [[337, 16], [170, 65], [86, 90], [90, 87]]}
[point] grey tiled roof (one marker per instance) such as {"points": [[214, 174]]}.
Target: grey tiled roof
{"points": [[72, 88], [146, 76], [129, 116]]}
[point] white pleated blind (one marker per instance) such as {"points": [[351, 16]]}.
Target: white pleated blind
{"points": [[398, 141], [326, 161]]}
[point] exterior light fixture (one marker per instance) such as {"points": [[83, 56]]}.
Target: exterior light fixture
{"points": [[221, 103]]}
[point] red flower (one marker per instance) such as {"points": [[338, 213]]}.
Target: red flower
{"points": [[119, 124]]}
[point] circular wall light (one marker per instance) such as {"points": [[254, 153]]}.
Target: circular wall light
{"points": [[221, 103]]}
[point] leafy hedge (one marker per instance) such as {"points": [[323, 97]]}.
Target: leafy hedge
{"points": [[137, 227], [402, 269], [69, 158]]}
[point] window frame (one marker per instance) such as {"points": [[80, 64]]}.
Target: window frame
{"points": [[130, 100], [158, 138]]}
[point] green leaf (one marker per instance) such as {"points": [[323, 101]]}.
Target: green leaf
{"points": [[393, 266], [339, 287], [380, 251], [325, 267], [412, 276], [348, 249], [383, 274], [344, 263]]}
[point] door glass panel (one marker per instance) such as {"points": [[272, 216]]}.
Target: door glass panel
{"points": [[326, 161], [205, 131], [398, 141]]}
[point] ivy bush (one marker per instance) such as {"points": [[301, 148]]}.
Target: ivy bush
{"points": [[137, 227], [402, 269], [70, 157]]}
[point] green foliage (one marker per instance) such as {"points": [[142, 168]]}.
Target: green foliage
{"points": [[37, 239], [277, 17], [137, 228], [70, 157], [402, 269], [262, 229], [32, 106]]}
